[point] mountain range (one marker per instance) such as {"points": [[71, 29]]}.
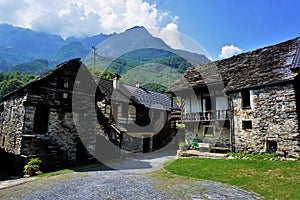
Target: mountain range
{"points": [[30, 52], [20, 45]]}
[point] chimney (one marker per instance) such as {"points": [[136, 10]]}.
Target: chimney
{"points": [[116, 78], [137, 84]]}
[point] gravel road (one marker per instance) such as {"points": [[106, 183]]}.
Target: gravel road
{"points": [[128, 182]]}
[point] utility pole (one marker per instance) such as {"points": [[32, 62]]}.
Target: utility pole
{"points": [[95, 55]]}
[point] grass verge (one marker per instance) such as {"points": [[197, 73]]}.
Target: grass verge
{"points": [[63, 171], [270, 179]]}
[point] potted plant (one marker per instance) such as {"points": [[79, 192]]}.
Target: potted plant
{"points": [[32, 166]]}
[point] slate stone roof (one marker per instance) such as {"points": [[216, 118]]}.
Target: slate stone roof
{"points": [[139, 95], [269, 65]]}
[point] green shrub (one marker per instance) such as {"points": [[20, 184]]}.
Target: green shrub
{"points": [[180, 126], [32, 166]]}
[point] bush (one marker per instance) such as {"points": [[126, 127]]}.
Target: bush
{"points": [[180, 126]]}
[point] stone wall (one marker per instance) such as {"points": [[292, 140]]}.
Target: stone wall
{"points": [[12, 124], [220, 138], [135, 143], [62, 132], [1, 111], [274, 118]]}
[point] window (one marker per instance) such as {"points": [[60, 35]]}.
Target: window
{"points": [[3, 140], [65, 95], [41, 119], [209, 131], [107, 109], [271, 146], [247, 125], [132, 112], [246, 99], [66, 84]]}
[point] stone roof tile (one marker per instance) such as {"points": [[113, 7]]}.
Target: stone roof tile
{"points": [[267, 65]]}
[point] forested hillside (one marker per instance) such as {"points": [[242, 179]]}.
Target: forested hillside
{"points": [[13, 80]]}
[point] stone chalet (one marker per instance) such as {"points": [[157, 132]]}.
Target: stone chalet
{"points": [[38, 120], [247, 103]]}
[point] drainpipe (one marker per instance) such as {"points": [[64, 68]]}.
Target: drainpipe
{"points": [[231, 122]]}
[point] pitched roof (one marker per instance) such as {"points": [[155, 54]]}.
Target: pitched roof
{"points": [[263, 66], [139, 95], [75, 63], [296, 62]]}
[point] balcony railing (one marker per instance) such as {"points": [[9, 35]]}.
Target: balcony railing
{"points": [[206, 115]]}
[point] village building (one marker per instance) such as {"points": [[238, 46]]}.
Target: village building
{"points": [[39, 120], [247, 103]]}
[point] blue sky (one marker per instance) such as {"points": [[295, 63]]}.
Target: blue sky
{"points": [[233, 26], [247, 25]]}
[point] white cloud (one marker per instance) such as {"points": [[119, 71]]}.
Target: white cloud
{"points": [[228, 51], [169, 34], [85, 17]]}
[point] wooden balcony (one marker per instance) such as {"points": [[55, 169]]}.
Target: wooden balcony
{"points": [[209, 115]]}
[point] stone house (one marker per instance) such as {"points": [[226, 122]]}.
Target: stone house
{"points": [[246, 103], [140, 120], [40, 120]]}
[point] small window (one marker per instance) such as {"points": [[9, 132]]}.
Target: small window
{"points": [[65, 95], [41, 119], [3, 140], [63, 83], [246, 99], [247, 125], [66, 84], [132, 112], [271, 146], [107, 109], [209, 131]]}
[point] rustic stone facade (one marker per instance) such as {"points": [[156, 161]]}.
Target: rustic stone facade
{"points": [[37, 121], [274, 119], [13, 116], [263, 91], [57, 118]]}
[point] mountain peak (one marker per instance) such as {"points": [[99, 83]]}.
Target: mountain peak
{"points": [[136, 27]]}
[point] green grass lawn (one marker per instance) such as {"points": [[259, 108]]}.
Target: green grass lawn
{"points": [[270, 179]]}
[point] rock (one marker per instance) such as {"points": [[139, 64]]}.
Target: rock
{"points": [[291, 159]]}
